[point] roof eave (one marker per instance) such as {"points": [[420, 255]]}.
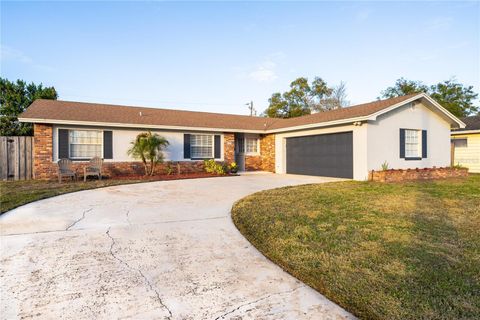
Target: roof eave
{"points": [[460, 132], [137, 126]]}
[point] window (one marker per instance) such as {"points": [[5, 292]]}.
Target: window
{"points": [[251, 145], [460, 143], [85, 144], [413, 144], [201, 146]]}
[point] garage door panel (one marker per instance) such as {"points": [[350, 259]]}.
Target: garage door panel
{"points": [[328, 155]]}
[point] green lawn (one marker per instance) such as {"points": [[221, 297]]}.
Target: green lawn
{"points": [[17, 193], [381, 251]]}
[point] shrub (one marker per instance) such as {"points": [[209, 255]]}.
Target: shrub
{"points": [[214, 167], [148, 147]]}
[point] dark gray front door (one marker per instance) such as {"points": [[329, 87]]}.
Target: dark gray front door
{"points": [[329, 155], [240, 151]]}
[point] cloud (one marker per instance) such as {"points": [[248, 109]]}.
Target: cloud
{"points": [[264, 72], [11, 54], [439, 23]]}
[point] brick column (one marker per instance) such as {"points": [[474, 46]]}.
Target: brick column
{"points": [[267, 152], [43, 166], [228, 147]]}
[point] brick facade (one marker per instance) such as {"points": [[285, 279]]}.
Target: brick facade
{"points": [[253, 163], [45, 168], [267, 152], [229, 147], [416, 174], [265, 161]]}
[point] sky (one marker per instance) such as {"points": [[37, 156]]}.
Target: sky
{"points": [[217, 56]]}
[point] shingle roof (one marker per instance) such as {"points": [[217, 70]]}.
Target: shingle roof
{"points": [[94, 112], [472, 122], [360, 110]]}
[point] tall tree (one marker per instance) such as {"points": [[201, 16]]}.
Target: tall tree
{"points": [[304, 98], [403, 87], [455, 97], [452, 95], [15, 97]]}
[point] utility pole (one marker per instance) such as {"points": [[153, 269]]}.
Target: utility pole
{"points": [[253, 112]]}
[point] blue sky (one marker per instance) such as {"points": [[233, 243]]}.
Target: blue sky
{"points": [[216, 56]]}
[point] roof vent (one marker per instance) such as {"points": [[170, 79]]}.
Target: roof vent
{"points": [[140, 113]]}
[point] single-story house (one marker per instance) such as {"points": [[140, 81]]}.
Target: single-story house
{"points": [[466, 144], [411, 131]]}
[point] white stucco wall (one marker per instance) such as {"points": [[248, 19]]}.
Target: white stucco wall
{"points": [[359, 147], [384, 138], [122, 137], [378, 141]]}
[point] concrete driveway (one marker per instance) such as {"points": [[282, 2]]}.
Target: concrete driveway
{"points": [[160, 250]]}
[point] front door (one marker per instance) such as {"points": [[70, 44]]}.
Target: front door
{"points": [[240, 151]]}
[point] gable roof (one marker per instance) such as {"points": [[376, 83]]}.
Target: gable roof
{"points": [[472, 124], [69, 112]]}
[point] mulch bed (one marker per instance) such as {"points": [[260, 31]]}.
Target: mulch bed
{"points": [[164, 177]]}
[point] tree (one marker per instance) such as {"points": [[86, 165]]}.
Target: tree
{"points": [[304, 98], [336, 100], [15, 97], [450, 94], [404, 87], [455, 97], [148, 147]]}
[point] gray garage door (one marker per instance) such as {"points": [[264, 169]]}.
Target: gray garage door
{"points": [[329, 155]]}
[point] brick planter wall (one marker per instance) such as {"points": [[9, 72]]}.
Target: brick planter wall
{"points": [[416, 174], [116, 169]]}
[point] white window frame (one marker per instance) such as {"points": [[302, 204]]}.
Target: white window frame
{"points": [[70, 143], [418, 143], [251, 153], [212, 137]]}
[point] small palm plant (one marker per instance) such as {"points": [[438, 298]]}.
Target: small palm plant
{"points": [[148, 147]]}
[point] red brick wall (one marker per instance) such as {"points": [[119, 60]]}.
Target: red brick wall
{"points": [[229, 147], [267, 152], [416, 174], [253, 163], [45, 168], [43, 152]]}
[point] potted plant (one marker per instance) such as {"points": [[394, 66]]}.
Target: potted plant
{"points": [[233, 167]]}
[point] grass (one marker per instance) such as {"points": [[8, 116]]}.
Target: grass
{"points": [[381, 251], [17, 193]]}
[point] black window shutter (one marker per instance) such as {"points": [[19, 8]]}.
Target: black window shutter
{"points": [[107, 145], [62, 143], [402, 143], [217, 146], [186, 146], [424, 143]]}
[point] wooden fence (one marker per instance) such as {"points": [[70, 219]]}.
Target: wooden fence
{"points": [[16, 158]]}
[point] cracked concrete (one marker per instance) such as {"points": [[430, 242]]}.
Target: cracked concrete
{"points": [[139, 271], [161, 250]]}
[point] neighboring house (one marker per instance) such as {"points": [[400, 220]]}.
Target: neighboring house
{"points": [[466, 144], [406, 132]]}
